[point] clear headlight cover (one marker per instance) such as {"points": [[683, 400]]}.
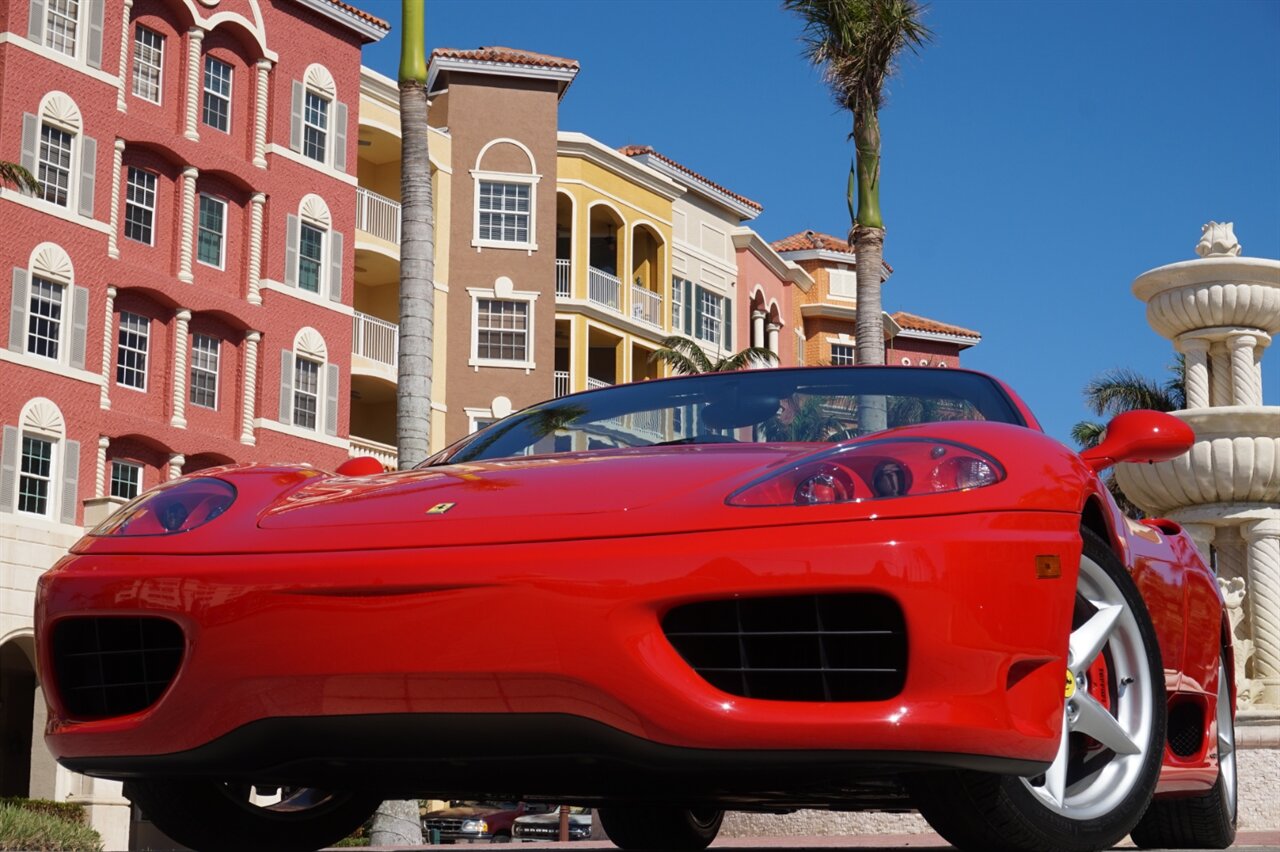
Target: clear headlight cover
{"points": [[170, 509]]}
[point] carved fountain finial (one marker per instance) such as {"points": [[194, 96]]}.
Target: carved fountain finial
{"points": [[1218, 239]]}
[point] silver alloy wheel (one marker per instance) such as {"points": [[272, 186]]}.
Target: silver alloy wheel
{"points": [[1226, 740], [1102, 751]]}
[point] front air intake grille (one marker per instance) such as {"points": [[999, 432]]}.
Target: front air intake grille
{"points": [[114, 666], [839, 647], [1185, 729]]}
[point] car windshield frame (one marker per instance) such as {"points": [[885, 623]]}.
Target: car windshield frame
{"points": [[787, 405]]}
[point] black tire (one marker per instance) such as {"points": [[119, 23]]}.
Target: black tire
{"points": [[501, 838], [1093, 794], [1207, 821], [644, 828], [209, 816]]}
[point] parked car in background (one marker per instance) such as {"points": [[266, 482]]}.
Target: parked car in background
{"points": [[547, 826], [475, 821]]}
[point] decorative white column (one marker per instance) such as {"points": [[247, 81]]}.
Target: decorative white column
{"points": [[100, 468], [187, 239], [117, 164], [179, 418], [1263, 538], [195, 38], [108, 346], [123, 76], [1196, 352], [1245, 387], [256, 203], [247, 412], [773, 329], [176, 461], [757, 328], [1219, 375], [260, 114]]}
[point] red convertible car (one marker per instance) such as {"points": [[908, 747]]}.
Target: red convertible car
{"points": [[845, 588]]}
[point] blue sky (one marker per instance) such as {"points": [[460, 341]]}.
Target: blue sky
{"points": [[1038, 155]]}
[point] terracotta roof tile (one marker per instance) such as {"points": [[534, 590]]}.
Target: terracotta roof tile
{"points": [[509, 55], [811, 240], [646, 150], [360, 13], [918, 323]]}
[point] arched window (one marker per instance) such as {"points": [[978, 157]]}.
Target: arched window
{"points": [[318, 120], [309, 385], [506, 196], [48, 314], [39, 467], [56, 151], [313, 250], [70, 27]]}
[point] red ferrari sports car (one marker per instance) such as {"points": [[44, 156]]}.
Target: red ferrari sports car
{"points": [[846, 588]]}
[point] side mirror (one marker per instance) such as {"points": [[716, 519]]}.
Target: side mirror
{"points": [[1140, 436], [360, 466]]}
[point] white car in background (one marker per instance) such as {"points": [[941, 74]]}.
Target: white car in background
{"points": [[546, 826]]}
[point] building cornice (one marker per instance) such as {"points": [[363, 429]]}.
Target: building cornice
{"points": [[573, 144], [745, 239], [498, 69], [701, 186], [349, 18], [380, 87], [830, 257], [826, 310], [939, 337]]}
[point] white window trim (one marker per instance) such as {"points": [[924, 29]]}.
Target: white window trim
{"points": [[111, 476], [217, 371], [324, 168], [853, 354], [841, 297], [725, 306], [155, 193], [78, 65], [52, 506], [64, 320], [321, 391], [307, 434], [132, 75], [326, 158], [322, 280], [57, 210], [73, 166], [320, 300], [80, 43], [222, 249], [529, 296], [146, 355], [474, 414], [204, 90], [531, 180]]}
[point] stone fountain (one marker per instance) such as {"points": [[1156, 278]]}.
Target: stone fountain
{"points": [[1221, 312]]}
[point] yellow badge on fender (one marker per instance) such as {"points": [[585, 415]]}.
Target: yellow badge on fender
{"points": [[440, 508], [1071, 684]]}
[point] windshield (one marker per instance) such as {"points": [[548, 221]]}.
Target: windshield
{"points": [[750, 406]]}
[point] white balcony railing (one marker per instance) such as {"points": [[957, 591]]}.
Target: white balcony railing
{"points": [[562, 382], [593, 384], [564, 281], [378, 215], [646, 306], [604, 288], [376, 339], [384, 453]]}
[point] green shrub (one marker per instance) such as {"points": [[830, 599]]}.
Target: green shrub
{"points": [[37, 830], [68, 811]]}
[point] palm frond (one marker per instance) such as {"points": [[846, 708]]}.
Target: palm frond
{"points": [[752, 356], [684, 356], [14, 174], [1087, 434], [1123, 389]]}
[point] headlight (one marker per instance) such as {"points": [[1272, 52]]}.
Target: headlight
{"points": [[175, 508], [875, 470], [475, 826]]}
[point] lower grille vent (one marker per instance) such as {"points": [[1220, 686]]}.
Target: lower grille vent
{"points": [[838, 647], [114, 666]]}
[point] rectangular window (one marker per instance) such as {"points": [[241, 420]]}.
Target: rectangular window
{"points": [[131, 352], [217, 94], [306, 392], [842, 355], [502, 330], [60, 26], [315, 127], [504, 212], [710, 309], [843, 282], [204, 371], [37, 473], [55, 164], [44, 321], [140, 206], [126, 479], [212, 231], [148, 64], [677, 305], [310, 257]]}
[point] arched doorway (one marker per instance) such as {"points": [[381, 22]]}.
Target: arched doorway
{"points": [[17, 708]]}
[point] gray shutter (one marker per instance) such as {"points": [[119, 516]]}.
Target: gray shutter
{"points": [[286, 386], [35, 27], [697, 312], [79, 325], [335, 266], [728, 324], [291, 251], [331, 401], [30, 143], [94, 55], [18, 310], [9, 468], [340, 138], [70, 480], [88, 166], [688, 307], [295, 117]]}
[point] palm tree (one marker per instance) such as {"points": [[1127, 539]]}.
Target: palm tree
{"points": [[15, 175], [417, 246], [686, 357], [856, 43]]}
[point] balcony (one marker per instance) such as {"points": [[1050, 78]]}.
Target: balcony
{"points": [[562, 383], [564, 278], [378, 215], [384, 453], [646, 306], [376, 339], [596, 384], [604, 288]]}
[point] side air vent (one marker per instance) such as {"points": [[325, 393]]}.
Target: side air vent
{"points": [[114, 666], [1185, 729], [838, 647]]}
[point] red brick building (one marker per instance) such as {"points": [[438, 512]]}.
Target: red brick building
{"points": [[179, 291]]}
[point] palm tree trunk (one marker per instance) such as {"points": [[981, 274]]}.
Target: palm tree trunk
{"points": [[417, 246], [397, 823], [868, 244]]}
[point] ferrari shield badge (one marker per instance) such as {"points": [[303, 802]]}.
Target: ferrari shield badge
{"points": [[440, 508]]}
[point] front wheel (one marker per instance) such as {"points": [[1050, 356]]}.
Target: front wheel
{"points": [[677, 829], [1113, 728], [211, 816]]}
